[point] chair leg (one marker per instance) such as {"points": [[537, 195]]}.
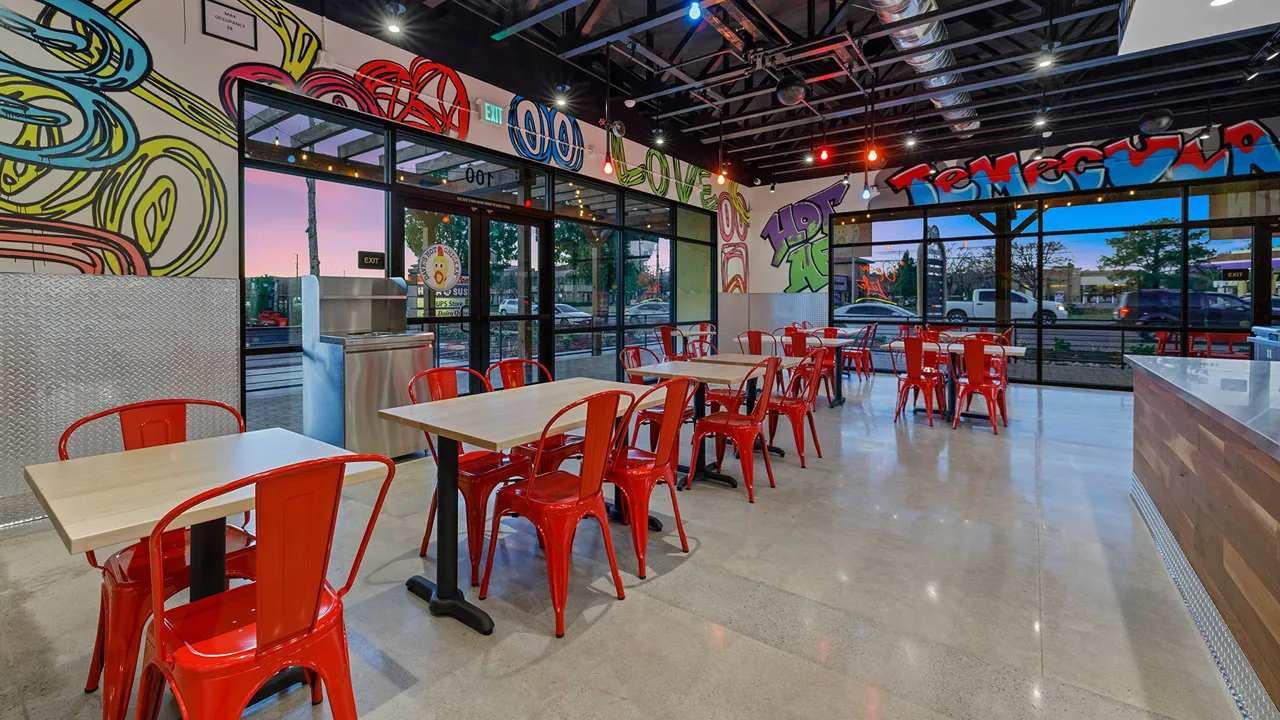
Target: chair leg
{"points": [[813, 428], [773, 425], [989, 397], [670, 482], [559, 545], [797, 432], [313, 680], [637, 503], [335, 669], [95, 661], [768, 466], [431, 519], [693, 463], [150, 692], [928, 405], [1004, 409], [475, 499], [127, 613], [720, 444], [600, 515], [747, 455], [498, 509]]}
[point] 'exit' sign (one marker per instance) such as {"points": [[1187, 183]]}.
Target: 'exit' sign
{"points": [[493, 113]]}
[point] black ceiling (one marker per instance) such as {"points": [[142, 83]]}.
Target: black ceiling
{"points": [[688, 76]]}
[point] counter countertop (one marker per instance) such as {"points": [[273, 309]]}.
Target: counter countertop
{"points": [[1244, 394]]}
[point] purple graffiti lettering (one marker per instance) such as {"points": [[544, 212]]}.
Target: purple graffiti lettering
{"points": [[802, 221]]}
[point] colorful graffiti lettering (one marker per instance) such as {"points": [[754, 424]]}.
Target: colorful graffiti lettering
{"points": [[426, 94], [1243, 149], [544, 134], [798, 235], [733, 217], [658, 169]]}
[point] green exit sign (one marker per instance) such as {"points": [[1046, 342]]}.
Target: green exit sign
{"points": [[493, 113]]}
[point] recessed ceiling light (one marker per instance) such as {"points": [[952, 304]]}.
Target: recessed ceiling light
{"points": [[1045, 62], [393, 28], [1040, 122], [1219, 3]]}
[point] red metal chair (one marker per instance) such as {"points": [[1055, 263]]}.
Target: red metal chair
{"points": [[998, 365], [858, 355], [638, 472], [666, 335], [633, 356], [216, 652], [743, 429], [556, 501], [514, 372], [754, 342], [799, 401], [917, 376], [940, 359], [479, 472], [796, 342], [1231, 340], [125, 602], [979, 378]]}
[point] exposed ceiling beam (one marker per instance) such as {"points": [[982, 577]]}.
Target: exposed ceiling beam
{"points": [[590, 17], [837, 17], [744, 21], [725, 31], [547, 11], [626, 30]]}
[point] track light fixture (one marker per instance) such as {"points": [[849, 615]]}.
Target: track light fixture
{"points": [[773, 187], [845, 181]]}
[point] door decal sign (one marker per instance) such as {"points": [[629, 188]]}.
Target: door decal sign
{"points": [[441, 267]]}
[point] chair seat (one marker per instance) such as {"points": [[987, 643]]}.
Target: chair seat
{"points": [[132, 565], [655, 415], [556, 488], [723, 396], [562, 445], [726, 420], [224, 626], [632, 460], [781, 401]]}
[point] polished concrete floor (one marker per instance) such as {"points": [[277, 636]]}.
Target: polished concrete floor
{"points": [[914, 572]]}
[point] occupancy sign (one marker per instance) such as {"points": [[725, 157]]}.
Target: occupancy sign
{"points": [[441, 267]]}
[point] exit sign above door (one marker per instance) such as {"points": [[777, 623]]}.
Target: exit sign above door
{"points": [[493, 113]]}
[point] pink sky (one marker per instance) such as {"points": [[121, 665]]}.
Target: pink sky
{"points": [[348, 219]]}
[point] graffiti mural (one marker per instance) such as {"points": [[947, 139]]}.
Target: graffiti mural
{"points": [[1244, 148], [84, 189], [797, 235], [660, 171], [875, 282], [733, 217], [544, 134]]}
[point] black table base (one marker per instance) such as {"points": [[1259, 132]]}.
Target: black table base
{"points": [[455, 606], [702, 470], [448, 603], [837, 378]]}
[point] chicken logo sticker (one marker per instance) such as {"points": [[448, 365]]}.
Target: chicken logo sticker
{"points": [[441, 267]]}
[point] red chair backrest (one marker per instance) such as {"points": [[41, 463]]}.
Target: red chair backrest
{"points": [[830, 333], [866, 336], [680, 392], [905, 330], [913, 348], [602, 432], [148, 423], [797, 344], [770, 366], [754, 344], [993, 338], [513, 372], [705, 326], [977, 360], [699, 348], [665, 334], [297, 507], [634, 356], [807, 379], [442, 384]]}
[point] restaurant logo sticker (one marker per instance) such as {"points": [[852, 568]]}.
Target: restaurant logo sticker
{"points": [[441, 267]]}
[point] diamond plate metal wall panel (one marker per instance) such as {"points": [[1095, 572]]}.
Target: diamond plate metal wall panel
{"points": [[71, 345], [1251, 697]]}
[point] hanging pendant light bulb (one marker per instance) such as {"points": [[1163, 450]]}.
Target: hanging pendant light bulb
{"points": [[695, 10], [608, 161], [721, 178], [872, 155], [866, 191]]}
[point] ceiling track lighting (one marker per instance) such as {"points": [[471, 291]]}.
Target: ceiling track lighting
{"points": [[396, 11], [773, 187]]}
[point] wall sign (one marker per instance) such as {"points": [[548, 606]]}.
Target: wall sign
{"points": [[440, 266], [371, 260], [1236, 274], [494, 113], [228, 23]]}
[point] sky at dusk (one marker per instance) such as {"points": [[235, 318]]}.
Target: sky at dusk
{"points": [[348, 219]]}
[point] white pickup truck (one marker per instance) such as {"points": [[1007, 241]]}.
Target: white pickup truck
{"points": [[1021, 307]]}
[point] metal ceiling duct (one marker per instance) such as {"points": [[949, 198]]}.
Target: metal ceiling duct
{"points": [[929, 62]]}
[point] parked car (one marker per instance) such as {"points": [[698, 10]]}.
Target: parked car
{"points": [[569, 314], [870, 311], [1022, 306], [649, 312], [1158, 307], [511, 306]]}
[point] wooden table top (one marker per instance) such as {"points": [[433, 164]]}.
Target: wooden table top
{"points": [[825, 342], [713, 373], [1009, 350], [699, 333], [103, 500], [502, 419], [740, 359]]}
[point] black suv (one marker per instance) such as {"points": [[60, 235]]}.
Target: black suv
{"points": [[1160, 308]]}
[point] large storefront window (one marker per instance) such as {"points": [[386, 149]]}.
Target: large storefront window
{"points": [[1080, 281]]}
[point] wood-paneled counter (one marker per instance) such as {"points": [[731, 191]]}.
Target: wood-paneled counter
{"points": [[1207, 451]]}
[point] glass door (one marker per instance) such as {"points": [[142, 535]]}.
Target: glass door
{"points": [[438, 268], [513, 306]]}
